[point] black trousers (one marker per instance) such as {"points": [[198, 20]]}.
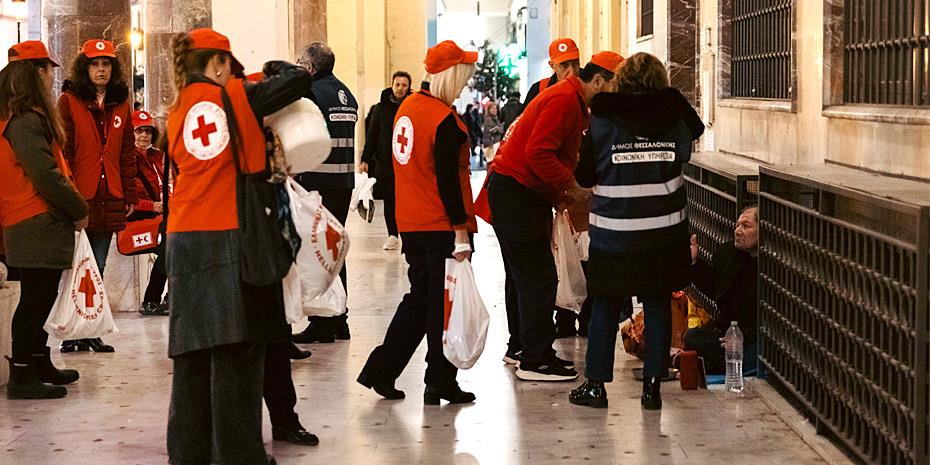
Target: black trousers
{"points": [[390, 218], [523, 224], [215, 414], [337, 202], [157, 280], [38, 290], [280, 396], [420, 313]]}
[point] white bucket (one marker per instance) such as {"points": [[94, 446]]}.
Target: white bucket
{"points": [[304, 137]]}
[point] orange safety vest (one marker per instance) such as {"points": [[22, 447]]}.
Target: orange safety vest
{"points": [[544, 84], [93, 158], [418, 206], [200, 145], [19, 199]]}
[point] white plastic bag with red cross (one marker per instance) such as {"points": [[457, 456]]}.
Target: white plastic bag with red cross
{"points": [[572, 290], [324, 243], [466, 318], [82, 309]]}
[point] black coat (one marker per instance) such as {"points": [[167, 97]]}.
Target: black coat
{"points": [[377, 152], [731, 280]]}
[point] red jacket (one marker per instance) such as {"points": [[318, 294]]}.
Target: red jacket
{"points": [[150, 166], [541, 150]]}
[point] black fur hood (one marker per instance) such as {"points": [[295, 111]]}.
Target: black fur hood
{"points": [[117, 93], [648, 113]]}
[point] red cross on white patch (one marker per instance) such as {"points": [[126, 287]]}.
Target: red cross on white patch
{"points": [[402, 140], [206, 133]]}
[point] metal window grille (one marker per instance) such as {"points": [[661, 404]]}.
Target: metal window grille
{"points": [[645, 18], [843, 301], [762, 49], [887, 52]]}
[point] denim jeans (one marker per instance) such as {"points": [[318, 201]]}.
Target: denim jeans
{"points": [[602, 336], [100, 245]]}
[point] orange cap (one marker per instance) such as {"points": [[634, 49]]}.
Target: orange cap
{"points": [[29, 50], [94, 48], [562, 50], [206, 38], [608, 60], [445, 55], [142, 118]]}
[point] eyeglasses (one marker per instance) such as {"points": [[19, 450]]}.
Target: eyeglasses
{"points": [[143, 130]]}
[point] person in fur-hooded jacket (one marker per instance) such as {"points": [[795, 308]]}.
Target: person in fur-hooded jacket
{"points": [[95, 110]]}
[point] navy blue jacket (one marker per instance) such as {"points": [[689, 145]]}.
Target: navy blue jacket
{"points": [[341, 112]]}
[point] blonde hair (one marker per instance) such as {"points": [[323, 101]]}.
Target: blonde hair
{"points": [[448, 84], [642, 72]]}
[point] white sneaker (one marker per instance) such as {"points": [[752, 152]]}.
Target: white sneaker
{"points": [[392, 243]]}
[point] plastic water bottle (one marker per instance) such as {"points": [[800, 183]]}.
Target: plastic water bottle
{"points": [[733, 345]]}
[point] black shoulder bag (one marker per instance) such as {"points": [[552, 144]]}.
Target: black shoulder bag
{"points": [[265, 256]]}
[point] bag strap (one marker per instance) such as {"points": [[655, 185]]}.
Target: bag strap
{"points": [[164, 188], [233, 125]]}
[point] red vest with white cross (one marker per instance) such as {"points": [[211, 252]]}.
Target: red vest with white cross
{"points": [[200, 145], [419, 207]]}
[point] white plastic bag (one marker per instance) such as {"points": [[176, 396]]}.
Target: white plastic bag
{"points": [[293, 300], [466, 320], [82, 309], [331, 303], [303, 133], [572, 290], [584, 241], [324, 242], [363, 198]]}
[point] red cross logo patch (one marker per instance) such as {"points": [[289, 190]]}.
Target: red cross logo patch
{"points": [[88, 289], [206, 133], [402, 141]]}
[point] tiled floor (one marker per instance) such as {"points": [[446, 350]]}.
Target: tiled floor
{"points": [[116, 413]]}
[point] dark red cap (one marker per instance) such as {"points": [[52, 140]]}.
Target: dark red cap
{"points": [[142, 118], [29, 50], [562, 50], [608, 60], [206, 38]]}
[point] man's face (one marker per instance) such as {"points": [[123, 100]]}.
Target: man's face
{"points": [[100, 70], [400, 87], [747, 231], [566, 68]]}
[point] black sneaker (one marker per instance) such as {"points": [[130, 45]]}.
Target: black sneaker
{"points": [[512, 357], [148, 308], [551, 371]]}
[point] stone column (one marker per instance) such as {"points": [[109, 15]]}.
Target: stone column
{"points": [[71, 22], [163, 20], [683, 48], [308, 24]]}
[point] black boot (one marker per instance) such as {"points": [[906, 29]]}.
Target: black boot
{"points": [[341, 330], [49, 374], [317, 331], [432, 395], [652, 398], [25, 384], [76, 345], [590, 393], [295, 434], [384, 389], [98, 345], [296, 353]]}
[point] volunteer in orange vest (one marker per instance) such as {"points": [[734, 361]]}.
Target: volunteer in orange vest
{"points": [[39, 211], [435, 218], [95, 109], [532, 173], [219, 325], [563, 59], [150, 167]]}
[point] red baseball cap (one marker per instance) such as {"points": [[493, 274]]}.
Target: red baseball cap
{"points": [[608, 60], [445, 55], [562, 50], [206, 38], [29, 50], [142, 118], [95, 48]]}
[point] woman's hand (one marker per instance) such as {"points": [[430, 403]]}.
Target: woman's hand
{"points": [[159, 207], [80, 224], [462, 245], [694, 249], [363, 167]]}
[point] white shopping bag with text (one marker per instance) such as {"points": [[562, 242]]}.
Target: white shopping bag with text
{"points": [[82, 310], [324, 241], [466, 318], [572, 290]]}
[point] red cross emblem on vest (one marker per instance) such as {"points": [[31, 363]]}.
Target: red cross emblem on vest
{"points": [[332, 240], [206, 131], [402, 144], [203, 130], [88, 289]]}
